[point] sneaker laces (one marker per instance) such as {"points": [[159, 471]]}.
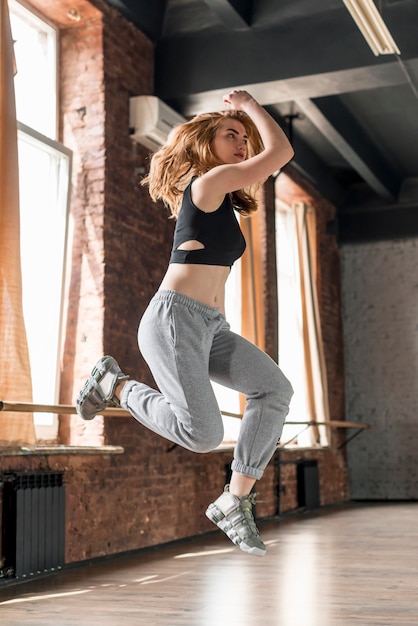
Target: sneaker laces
{"points": [[247, 503]]}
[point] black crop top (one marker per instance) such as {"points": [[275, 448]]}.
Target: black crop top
{"points": [[218, 231]]}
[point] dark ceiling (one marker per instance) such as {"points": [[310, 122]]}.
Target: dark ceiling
{"points": [[352, 116]]}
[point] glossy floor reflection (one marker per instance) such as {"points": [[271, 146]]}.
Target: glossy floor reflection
{"points": [[354, 564]]}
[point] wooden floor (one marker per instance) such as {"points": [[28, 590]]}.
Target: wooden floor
{"points": [[354, 564]]}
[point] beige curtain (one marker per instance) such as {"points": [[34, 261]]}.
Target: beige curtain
{"points": [[252, 319], [251, 283], [15, 378], [316, 375]]}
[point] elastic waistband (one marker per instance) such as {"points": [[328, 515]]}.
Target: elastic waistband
{"points": [[168, 295]]}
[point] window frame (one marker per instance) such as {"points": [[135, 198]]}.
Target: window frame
{"points": [[46, 424], [43, 430], [24, 8]]}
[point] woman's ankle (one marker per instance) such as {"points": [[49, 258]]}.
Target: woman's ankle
{"points": [[240, 484]]}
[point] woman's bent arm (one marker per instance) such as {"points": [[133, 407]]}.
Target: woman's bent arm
{"points": [[277, 152]]}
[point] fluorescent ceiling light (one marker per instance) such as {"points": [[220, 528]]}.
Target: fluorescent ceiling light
{"points": [[372, 26]]}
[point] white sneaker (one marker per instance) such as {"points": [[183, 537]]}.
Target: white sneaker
{"points": [[234, 516], [99, 389]]}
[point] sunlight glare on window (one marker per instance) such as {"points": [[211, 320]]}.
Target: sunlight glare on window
{"points": [[291, 338], [43, 212], [34, 44], [44, 173]]}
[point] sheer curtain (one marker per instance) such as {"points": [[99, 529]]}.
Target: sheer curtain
{"points": [[15, 378], [316, 376], [300, 336]]}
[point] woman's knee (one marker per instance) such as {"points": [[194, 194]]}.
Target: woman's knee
{"points": [[286, 387], [280, 389], [207, 439]]}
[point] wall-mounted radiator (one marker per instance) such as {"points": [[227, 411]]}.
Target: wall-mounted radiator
{"points": [[33, 516]]}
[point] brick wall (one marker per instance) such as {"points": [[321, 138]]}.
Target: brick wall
{"points": [[83, 131], [381, 338], [119, 252]]}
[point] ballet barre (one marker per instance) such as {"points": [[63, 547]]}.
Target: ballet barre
{"points": [[68, 409], [62, 409]]}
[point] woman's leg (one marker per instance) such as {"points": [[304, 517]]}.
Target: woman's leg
{"points": [[238, 364], [175, 338]]}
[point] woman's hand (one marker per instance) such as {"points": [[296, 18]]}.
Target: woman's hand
{"points": [[230, 177], [278, 150], [238, 99]]}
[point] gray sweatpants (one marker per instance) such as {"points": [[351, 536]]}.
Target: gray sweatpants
{"points": [[186, 344]]}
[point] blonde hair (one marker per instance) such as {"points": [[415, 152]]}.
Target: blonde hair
{"points": [[188, 153]]}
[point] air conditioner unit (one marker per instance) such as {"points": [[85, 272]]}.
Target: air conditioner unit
{"points": [[151, 120]]}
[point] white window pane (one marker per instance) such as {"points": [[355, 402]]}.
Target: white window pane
{"points": [[44, 177], [35, 81], [44, 168]]}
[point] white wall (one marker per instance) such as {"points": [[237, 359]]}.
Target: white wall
{"points": [[380, 316]]}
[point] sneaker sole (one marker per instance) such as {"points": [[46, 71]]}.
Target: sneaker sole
{"points": [[213, 513], [102, 372], [252, 549]]}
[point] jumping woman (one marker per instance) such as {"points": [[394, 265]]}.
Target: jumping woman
{"points": [[210, 168]]}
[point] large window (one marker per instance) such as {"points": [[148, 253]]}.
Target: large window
{"points": [[299, 330], [300, 341], [44, 174]]}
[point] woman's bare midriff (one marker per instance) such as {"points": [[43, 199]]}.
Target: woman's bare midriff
{"points": [[205, 283]]}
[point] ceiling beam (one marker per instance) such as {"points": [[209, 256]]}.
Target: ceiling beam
{"points": [[340, 128], [189, 101], [343, 132], [234, 14], [325, 44]]}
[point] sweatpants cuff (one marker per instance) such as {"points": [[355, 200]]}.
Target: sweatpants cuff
{"points": [[125, 393], [252, 472]]}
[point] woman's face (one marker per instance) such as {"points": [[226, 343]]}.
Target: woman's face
{"points": [[230, 141]]}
